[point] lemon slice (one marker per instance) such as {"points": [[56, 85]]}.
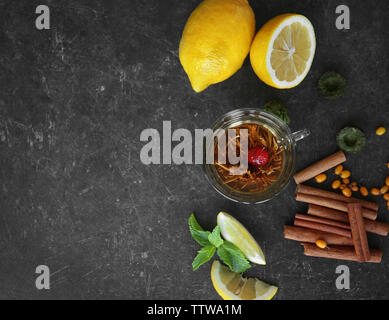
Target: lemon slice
{"points": [[283, 50], [233, 286], [232, 230]]}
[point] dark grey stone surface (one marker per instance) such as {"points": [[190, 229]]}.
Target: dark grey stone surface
{"points": [[74, 194]]}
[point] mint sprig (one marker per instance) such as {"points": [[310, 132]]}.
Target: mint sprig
{"points": [[212, 243], [197, 232], [203, 256], [215, 237], [233, 257]]}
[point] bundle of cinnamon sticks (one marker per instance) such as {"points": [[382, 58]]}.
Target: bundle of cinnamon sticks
{"points": [[339, 221]]}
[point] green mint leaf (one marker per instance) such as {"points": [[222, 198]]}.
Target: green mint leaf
{"points": [[197, 232], [215, 238], [203, 256], [233, 257]]}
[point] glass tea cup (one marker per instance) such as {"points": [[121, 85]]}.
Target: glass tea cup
{"points": [[285, 139]]}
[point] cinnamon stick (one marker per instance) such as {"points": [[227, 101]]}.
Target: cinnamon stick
{"points": [[324, 212], [335, 196], [319, 167], [309, 235], [325, 221], [358, 231], [322, 227], [333, 204], [340, 253], [377, 227]]}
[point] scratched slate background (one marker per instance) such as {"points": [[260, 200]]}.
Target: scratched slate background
{"points": [[74, 194]]}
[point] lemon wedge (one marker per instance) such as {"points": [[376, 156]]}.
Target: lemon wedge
{"points": [[283, 50], [232, 230], [233, 286]]}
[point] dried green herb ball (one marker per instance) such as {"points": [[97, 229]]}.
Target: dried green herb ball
{"points": [[351, 139], [332, 85], [279, 110]]}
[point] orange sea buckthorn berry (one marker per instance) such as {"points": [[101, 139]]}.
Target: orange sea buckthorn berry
{"points": [[387, 165], [354, 183], [386, 196], [347, 192], [321, 178], [321, 244], [336, 184], [338, 170], [346, 181], [345, 174], [342, 186], [384, 189], [364, 191], [380, 131], [375, 192], [355, 188], [387, 181]]}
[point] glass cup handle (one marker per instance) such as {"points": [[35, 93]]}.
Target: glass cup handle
{"points": [[298, 135]]}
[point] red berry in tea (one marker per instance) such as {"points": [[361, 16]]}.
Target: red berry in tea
{"points": [[258, 156]]}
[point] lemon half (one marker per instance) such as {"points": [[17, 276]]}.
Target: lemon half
{"points": [[232, 230], [233, 286], [283, 50]]}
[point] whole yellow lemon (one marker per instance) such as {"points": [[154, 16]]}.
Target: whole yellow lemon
{"points": [[216, 41]]}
